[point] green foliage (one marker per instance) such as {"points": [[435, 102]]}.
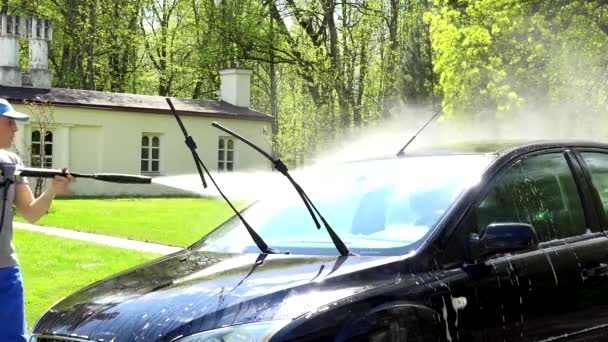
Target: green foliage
{"points": [[324, 68], [171, 221], [499, 56], [54, 267]]}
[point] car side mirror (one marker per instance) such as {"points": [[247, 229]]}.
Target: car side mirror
{"points": [[503, 238]]}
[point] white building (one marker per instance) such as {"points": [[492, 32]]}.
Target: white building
{"points": [[125, 133]]}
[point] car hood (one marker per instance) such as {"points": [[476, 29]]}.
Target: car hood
{"points": [[194, 291]]}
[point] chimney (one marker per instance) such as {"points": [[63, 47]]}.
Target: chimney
{"points": [[12, 27], [236, 86], [39, 33]]}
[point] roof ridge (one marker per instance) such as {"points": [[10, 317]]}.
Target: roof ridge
{"points": [[132, 102]]}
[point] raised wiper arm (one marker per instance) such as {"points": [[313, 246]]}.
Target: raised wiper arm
{"points": [[189, 142], [282, 168], [259, 242]]}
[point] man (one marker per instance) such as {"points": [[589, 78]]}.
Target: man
{"points": [[18, 193]]}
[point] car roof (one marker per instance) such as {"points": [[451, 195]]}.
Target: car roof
{"points": [[491, 149], [500, 147]]}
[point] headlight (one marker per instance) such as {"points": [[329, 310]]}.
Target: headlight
{"points": [[254, 332]]}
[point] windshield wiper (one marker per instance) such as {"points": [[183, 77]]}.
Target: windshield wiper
{"points": [[190, 143], [199, 164], [282, 168]]}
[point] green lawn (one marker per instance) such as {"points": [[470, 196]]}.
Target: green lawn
{"points": [[176, 221], [54, 267]]}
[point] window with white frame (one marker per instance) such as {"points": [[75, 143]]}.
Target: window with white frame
{"points": [[150, 153], [225, 154], [41, 149]]}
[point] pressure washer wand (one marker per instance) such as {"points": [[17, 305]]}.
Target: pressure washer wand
{"points": [[106, 177]]}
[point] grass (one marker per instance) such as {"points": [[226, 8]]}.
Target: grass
{"points": [[54, 267], [176, 221]]}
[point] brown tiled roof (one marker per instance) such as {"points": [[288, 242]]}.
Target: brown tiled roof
{"points": [[131, 102]]}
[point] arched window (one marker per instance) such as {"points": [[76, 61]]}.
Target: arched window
{"points": [[150, 153], [42, 149], [225, 154]]}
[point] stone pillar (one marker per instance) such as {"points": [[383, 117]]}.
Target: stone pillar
{"points": [[11, 29], [61, 146], [39, 32], [21, 143]]}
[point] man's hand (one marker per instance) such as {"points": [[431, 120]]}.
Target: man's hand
{"points": [[60, 184], [32, 208]]}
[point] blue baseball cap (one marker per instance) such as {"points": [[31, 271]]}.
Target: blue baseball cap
{"points": [[7, 110]]}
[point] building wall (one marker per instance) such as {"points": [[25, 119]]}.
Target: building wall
{"points": [[91, 140]]}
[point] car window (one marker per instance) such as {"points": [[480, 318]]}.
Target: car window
{"points": [[598, 166], [540, 191]]}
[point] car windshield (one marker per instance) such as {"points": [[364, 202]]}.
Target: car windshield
{"points": [[376, 207]]}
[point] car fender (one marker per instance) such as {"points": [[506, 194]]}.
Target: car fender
{"points": [[373, 319], [396, 321]]}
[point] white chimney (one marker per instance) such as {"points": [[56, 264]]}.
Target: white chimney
{"points": [[39, 32], [236, 86], [12, 27]]}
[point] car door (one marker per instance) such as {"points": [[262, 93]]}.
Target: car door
{"points": [[524, 296], [591, 252]]}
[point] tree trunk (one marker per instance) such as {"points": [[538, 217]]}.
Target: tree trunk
{"points": [[274, 108], [90, 46], [389, 86], [63, 69], [361, 84], [196, 93], [68, 50], [336, 62], [121, 52], [429, 46]]}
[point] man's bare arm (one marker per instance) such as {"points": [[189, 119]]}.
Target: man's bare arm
{"points": [[31, 208]]}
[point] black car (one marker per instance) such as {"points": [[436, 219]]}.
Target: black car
{"points": [[443, 246]]}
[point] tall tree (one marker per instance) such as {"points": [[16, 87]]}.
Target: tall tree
{"points": [[160, 25], [123, 38]]}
